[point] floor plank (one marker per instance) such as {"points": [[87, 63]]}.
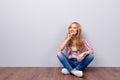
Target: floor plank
{"points": [[54, 73]]}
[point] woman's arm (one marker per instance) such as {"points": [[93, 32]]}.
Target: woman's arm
{"points": [[82, 55], [89, 51], [62, 46], [88, 47]]}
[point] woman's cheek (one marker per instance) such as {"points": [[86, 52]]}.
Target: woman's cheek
{"points": [[75, 32]]}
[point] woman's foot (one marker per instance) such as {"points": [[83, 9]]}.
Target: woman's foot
{"points": [[65, 71], [77, 73]]}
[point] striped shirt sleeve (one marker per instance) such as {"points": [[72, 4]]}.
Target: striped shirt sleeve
{"points": [[87, 45]]}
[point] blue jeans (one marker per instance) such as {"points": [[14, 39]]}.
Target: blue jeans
{"points": [[71, 64]]}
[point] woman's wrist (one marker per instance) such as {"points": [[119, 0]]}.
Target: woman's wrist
{"points": [[84, 54], [67, 38]]}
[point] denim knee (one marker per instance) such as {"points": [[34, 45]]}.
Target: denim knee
{"points": [[90, 57], [60, 55]]}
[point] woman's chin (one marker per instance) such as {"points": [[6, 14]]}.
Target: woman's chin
{"points": [[75, 34]]}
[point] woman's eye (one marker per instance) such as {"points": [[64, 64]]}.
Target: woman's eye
{"points": [[74, 28]]}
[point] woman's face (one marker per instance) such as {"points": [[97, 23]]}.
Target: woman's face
{"points": [[73, 29]]}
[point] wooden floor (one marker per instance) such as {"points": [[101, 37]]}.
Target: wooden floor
{"points": [[39, 73]]}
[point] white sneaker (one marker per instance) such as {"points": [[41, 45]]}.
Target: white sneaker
{"points": [[78, 73], [65, 71]]}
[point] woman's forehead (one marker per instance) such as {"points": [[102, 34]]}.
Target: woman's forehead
{"points": [[74, 25]]}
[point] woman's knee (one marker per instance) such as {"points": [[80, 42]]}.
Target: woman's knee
{"points": [[60, 54], [90, 56]]}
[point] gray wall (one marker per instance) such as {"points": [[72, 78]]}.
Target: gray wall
{"points": [[32, 30]]}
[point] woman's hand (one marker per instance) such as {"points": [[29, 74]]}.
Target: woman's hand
{"points": [[69, 35], [81, 56]]}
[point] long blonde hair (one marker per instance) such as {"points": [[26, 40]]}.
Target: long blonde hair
{"points": [[78, 36]]}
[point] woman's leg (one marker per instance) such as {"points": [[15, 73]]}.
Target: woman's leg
{"points": [[84, 63], [67, 64], [65, 61]]}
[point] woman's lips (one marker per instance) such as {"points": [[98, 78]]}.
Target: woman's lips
{"points": [[71, 31]]}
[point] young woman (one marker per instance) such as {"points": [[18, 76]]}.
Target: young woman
{"points": [[75, 53]]}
